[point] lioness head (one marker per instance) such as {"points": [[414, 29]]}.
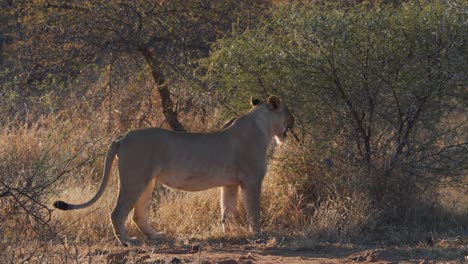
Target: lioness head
{"points": [[284, 120]]}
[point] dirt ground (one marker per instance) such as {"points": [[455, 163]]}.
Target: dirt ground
{"points": [[250, 252]]}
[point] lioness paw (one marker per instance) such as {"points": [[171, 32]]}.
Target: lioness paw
{"points": [[131, 242], [157, 236]]}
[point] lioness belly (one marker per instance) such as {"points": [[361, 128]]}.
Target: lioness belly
{"points": [[196, 180]]}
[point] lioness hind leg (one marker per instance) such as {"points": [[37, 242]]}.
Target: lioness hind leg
{"points": [[228, 204], [129, 194], [251, 202], [141, 212]]}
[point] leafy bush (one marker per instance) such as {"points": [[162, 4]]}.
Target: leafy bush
{"points": [[374, 89]]}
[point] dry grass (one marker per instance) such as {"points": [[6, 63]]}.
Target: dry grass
{"points": [[194, 215], [301, 197]]}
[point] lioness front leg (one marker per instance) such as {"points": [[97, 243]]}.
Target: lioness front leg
{"points": [[228, 204], [251, 201]]}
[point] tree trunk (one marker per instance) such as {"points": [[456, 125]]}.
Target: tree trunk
{"points": [[164, 93]]}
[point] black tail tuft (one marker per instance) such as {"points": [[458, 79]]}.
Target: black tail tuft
{"points": [[61, 205]]}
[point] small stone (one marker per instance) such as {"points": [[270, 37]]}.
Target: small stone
{"points": [[117, 258], [247, 257], [175, 261], [195, 249]]}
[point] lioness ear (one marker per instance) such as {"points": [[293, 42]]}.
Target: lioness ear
{"points": [[254, 101], [274, 102]]}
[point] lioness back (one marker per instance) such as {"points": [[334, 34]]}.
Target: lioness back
{"points": [[185, 161]]}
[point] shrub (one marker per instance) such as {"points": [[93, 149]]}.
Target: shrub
{"points": [[372, 87]]}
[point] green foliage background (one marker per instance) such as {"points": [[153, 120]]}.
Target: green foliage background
{"points": [[372, 86]]}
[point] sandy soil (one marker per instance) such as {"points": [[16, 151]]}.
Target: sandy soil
{"points": [[258, 252]]}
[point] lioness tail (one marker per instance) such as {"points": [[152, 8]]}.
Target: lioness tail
{"points": [[111, 152]]}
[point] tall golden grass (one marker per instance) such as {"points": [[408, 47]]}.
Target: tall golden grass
{"points": [[299, 198]]}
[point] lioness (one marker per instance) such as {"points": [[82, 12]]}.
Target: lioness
{"points": [[232, 157]]}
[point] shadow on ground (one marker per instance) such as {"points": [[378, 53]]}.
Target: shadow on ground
{"points": [[271, 251]]}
